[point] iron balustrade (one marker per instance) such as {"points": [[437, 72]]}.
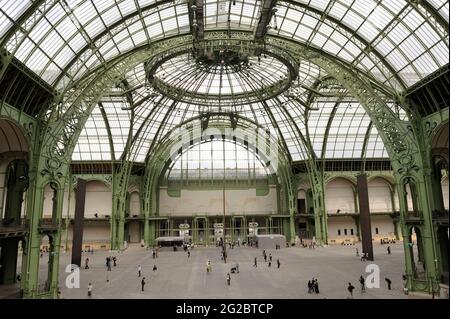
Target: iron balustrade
{"points": [[440, 214], [413, 215]]}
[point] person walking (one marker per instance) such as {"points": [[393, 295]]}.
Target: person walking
{"points": [[278, 263], [90, 290], [388, 250], [389, 282], [86, 263], [270, 264], [310, 285], [189, 253], [114, 261], [139, 270], [228, 279], [270, 257], [155, 268], [109, 263], [350, 290], [255, 264], [363, 284], [142, 284]]}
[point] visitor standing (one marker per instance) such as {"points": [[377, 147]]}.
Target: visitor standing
{"points": [[255, 264], [86, 263], [142, 284], [388, 250], [139, 270], [90, 290], [350, 290], [228, 279], [208, 266], [389, 282], [363, 284], [278, 263]]}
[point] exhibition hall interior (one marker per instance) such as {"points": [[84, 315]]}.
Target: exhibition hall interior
{"points": [[262, 149]]}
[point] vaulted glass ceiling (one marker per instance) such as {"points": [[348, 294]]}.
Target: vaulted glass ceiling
{"points": [[395, 42], [70, 37]]}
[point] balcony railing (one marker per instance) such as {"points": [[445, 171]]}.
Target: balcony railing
{"points": [[11, 226], [413, 215], [440, 214], [49, 224]]}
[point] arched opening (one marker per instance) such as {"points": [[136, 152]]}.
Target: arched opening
{"points": [[445, 193], [209, 177], [14, 182], [50, 202], [97, 212], [133, 227], [340, 197], [381, 207], [302, 218], [416, 252], [411, 199], [340, 203]]}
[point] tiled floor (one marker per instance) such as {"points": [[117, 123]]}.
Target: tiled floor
{"points": [[180, 277]]}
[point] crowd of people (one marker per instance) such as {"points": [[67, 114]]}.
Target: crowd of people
{"points": [[312, 285]]}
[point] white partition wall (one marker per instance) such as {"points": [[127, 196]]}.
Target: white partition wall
{"points": [[379, 196], [98, 199], [135, 207], [339, 195], [382, 227], [96, 232], [341, 228], [210, 202]]}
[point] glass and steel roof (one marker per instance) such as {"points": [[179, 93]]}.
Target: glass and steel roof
{"points": [[395, 42], [212, 159], [221, 80]]}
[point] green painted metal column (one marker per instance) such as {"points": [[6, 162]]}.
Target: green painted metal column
{"points": [[56, 243], [430, 247], [30, 264], [407, 244]]}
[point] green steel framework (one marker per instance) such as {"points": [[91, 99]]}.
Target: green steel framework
{"points": [[54, 135]]}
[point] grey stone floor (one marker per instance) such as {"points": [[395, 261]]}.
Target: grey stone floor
{"points": [[180, 277]]}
